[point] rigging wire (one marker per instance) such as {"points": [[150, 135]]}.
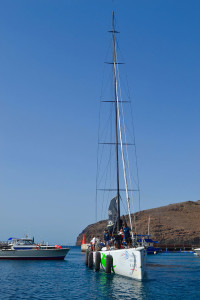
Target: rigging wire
{"points": [[133, 131], [101, 93], [136, 156], [122, 152], [107, 173], [127, 156]]}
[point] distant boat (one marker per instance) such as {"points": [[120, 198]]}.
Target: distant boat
{"points": [[26, 249], [129, 262], [148, 243], [197, 251]]}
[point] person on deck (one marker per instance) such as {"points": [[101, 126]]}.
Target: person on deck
{"points": [[97, 244], [119, 239], [106, 238], [121, 233], [127, 235], [93, 243], [112, 240]]}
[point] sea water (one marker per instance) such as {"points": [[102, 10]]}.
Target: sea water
{"points": [[168, 276]]}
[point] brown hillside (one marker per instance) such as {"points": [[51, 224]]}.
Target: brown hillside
{"points": [[175, 223]]}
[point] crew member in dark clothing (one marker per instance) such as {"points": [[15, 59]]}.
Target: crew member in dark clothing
{"points": [[119, 239], [127, 235], [106, 238]]}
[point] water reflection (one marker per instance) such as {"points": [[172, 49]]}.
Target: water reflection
{"points": [[113, 286]]}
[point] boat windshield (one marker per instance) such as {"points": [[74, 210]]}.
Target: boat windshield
{"points": [[22, 241]]}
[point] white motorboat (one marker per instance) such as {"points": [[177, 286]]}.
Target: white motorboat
{"points": [[26, 249], [197, 251]]}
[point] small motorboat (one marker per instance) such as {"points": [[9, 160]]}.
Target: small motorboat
{"points": [[197, 251], [26, 249]]}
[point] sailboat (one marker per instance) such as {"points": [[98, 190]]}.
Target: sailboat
{"points": [[129, 262]]}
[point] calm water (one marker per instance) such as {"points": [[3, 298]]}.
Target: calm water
{"points": [[169, 276]]}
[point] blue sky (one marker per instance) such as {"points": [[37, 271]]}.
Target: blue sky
{"points": [[51, 65]]}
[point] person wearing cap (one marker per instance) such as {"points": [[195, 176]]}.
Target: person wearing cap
{"points": [[106, 238]]}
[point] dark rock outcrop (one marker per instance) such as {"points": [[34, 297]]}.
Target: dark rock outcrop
{"points": [[175, 223]]}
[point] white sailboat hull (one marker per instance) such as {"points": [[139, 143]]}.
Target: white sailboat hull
{"points": [[40, 254], [126, 262]]}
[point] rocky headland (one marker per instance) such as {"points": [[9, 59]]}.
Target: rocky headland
{"points": [[172, 224]]}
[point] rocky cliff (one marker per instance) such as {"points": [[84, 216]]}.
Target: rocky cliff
{"points": [[175, 223]]}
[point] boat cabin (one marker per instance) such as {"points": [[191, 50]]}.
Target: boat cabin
{"points": [[24, 243]]}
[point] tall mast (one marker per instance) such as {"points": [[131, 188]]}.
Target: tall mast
{"points": [[116, 124]]}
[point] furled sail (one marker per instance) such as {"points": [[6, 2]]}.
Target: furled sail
{"points": [[112, 214]]}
